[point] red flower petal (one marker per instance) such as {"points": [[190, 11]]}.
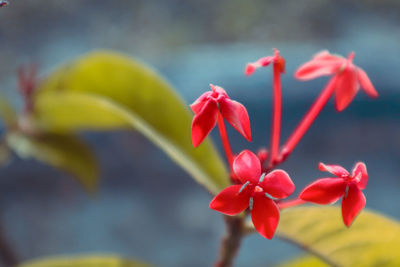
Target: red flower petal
{"points": [[324, 191], [250, 69], [230, 202], [265, 61], [247, 166], [278, 184], [262, 62], [352, 204], [265, 215], [361, 169], [366, 83], [337, 170], [316, 68], [221, 93], [200, 102], [347, 86], [236, 114], [204, 122], [325, 55]]}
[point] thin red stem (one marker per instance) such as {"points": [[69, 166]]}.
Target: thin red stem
{"points": [[291, 203], [277, 115], [225, 140], [309, 118]]}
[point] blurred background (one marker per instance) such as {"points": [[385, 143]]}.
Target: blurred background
{"points": [[147, 207]]}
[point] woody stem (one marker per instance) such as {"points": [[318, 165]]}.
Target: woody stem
{"points": [[231, 241], [308, 119], [277, 115], [225, 140]]}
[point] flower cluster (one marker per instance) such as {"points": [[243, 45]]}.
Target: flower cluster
{"points": [[257, 185]]}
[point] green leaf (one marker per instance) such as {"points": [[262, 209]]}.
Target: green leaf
{"points": [[63, 112], [104, 90], [7, 113], [305, 261], [63, 151], [372, 240], [84, 261]]}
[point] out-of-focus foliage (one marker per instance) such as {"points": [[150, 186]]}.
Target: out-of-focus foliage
{"points": [[72, 111], [84, 261], [7, 113], [372, 240], [306, 261], [106, 90], [64, 151]]}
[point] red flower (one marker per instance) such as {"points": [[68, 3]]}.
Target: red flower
{"points": [[3, 3], [257, 191], [207, 108], [349, 77], [265, 61], [329, 190]]}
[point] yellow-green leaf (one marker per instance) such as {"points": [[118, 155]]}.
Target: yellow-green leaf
{"points": [[372, 240], [63, 151], [63, 112], [305, 261], [84, 261], [7, 113], [127, 91]]}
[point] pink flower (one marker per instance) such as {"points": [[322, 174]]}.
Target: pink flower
{"points": [[349, 77], [276, 59], [209, 106], [257, 192], [329, 190]]}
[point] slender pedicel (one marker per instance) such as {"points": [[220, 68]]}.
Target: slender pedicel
{"points": [[309, 118], [277, 112], [225, 140], [291, 203]]}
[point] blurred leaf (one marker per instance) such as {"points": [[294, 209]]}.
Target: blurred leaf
{"points": [[66, 152], [128, 92], [372, 240], [71, 111], [305, 261], [84, 261], [7, 113]]}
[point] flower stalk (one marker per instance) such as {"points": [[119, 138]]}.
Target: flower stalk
{"points": [[308, 119], [225, 140], [277, 114]]}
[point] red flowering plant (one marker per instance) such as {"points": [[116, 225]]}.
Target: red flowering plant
{"points": [[258, 186], [106, 90]]}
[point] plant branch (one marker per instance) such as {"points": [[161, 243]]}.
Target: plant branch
{"points": [[231, 241]]}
